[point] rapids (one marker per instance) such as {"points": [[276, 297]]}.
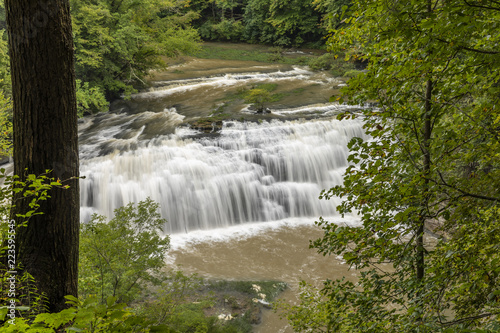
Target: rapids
{"points": [[251, 172]]}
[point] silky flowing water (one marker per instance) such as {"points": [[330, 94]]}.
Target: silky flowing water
{"points": [[241, 202]]}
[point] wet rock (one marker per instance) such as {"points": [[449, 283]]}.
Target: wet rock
{"points": [[254, 314], [264, 110], [207, 126]]}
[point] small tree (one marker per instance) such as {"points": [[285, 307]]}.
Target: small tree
{"points": [[119, 256], [259, 97]]}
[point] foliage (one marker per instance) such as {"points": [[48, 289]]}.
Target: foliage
{"points": [[334, 10], [323, 62], [257, 29], [352, 73], [120, 256], [182, 303], [118, 42], [5, 84], [332, 63], [3, 23], [274, 22], [27, 301], [5, 125], [89, 99], [176, 289], [225, 30], [425, 186], [179, 306], [269, 288], [35, 187], [311, 315], [5, 92], [258, 97], [276, 54], [25, 296], [89, 315], [282, 23], [295, 21]]}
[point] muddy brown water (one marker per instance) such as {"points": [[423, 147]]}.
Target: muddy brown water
{"points": [[281, 253]]}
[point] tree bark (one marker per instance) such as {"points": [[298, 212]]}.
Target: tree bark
{"points": [[426, 142], [46, 138]]}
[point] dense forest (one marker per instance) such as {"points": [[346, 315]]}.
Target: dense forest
{"points": [[425, 186]]}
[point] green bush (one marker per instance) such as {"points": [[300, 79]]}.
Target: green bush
{"points": [[181, 303], [270, 289], [276, 54], [176, 290], [89, 99], [225, 30], [28, 301], [333, 63], [119, 257], [323, 62], [352, 73], [259, 98], [84, 316]]}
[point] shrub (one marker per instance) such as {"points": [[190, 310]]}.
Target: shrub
{"points": [[118, 258], [276, 54], [352, 73], [85, 316], [224, 30], [323, 62], [258, 97]]}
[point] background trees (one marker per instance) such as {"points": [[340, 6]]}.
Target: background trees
{"points": [[118, 42], [426, 186]]}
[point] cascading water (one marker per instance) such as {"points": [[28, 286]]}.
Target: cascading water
{"points": [[251, 172]]}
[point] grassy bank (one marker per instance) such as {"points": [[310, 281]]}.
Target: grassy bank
{"points": [[315, 59], [194, 304]]}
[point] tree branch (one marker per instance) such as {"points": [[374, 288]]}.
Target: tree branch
{"points": [[484, 7], [464, 193]]}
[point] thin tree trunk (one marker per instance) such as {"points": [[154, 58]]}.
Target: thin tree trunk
{"points": [[426, 141], [45, 138]]}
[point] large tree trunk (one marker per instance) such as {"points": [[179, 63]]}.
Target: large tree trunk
{"points": [[46, 137]]}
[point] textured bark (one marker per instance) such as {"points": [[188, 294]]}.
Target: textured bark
{"points": [[46, 137]]}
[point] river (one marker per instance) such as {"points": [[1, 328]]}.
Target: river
{"points": [[240, 202]]}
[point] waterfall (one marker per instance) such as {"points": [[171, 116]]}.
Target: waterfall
{"points": [[251, 172]]}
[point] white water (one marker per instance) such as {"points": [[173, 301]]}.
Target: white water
{"points": [[167, 88], [250, 173]]}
